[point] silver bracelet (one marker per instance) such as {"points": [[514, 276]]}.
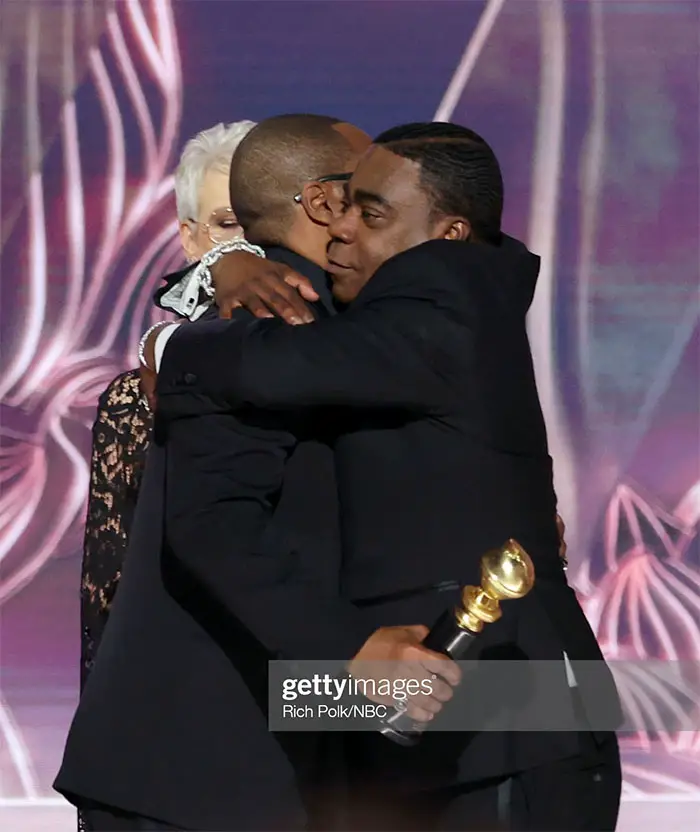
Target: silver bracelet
{"points": [[202, 271], [144, 338]]}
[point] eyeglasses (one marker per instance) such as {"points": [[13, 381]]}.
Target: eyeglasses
{"points": [[222, 225], [332, 177]]}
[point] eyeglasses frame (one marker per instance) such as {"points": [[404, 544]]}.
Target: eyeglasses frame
{"points": [[332, 177], [207, 225]]}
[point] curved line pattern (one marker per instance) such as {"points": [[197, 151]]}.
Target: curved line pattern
{"points": [[53, 373], [52, 382], [647, 603], [593, 165], [642, 594], [542, 238], [469, 59], [18, 751]]}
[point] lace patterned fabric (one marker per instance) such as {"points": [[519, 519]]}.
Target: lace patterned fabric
{"points": [[120, 439]]}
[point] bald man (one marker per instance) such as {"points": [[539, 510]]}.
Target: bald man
{"points": [[171, 732]]}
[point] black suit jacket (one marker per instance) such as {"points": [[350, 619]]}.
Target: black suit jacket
{"points": [[172, 723], [441, 455]]}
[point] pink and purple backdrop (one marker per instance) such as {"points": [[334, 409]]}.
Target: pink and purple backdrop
{"points": [[593, 109]]}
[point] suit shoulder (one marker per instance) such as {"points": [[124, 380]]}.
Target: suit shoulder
{"points": [[499, 277], [426, 262]]}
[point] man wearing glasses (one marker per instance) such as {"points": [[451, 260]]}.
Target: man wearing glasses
{"points": [[170, 731]]}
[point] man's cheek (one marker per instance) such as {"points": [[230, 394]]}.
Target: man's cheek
{"points": [[379, 254]]}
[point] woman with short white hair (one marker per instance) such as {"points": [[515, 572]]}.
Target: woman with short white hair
{"points": [[201, 188], [122, 429]]}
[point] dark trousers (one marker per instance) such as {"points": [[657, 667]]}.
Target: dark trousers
{"points": [[579, 794], [96, 817]]}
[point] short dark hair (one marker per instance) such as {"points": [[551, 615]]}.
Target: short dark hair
{"points": [[459, 171], [274, 162]]}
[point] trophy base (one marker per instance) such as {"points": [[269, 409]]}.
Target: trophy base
{"points": [[399, 738], [401, 729]]}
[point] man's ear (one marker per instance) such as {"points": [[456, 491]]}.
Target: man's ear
{"points": [[315, 200], [453, 228]]}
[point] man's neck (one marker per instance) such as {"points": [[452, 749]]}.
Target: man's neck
{"points": [[310, 246], [271, 249], [317, 258]]}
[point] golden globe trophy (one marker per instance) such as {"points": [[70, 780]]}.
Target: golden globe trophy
{"points": [[506, 573]]}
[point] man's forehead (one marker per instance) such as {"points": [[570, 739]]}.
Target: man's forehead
{"points": [[381, 170]]}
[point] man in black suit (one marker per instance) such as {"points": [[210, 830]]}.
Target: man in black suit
{"points": [[170, 731], [441, 454]]}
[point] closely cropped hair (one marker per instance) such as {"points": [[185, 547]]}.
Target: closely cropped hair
{"points": [[459, 171], [272, 165], [211, 149]]}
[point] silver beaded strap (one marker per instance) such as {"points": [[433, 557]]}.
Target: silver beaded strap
{"points": [[202, 269], [144, 338]]}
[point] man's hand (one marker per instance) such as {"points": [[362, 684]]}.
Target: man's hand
{"points": [[263, 287], [561, 528], [394, 654]]}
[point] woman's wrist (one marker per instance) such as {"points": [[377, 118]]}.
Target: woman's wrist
{"points": [[203, 268]]}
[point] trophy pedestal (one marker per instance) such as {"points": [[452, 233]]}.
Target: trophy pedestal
{"points": [[449, 638]]}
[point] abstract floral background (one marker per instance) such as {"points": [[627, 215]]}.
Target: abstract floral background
{"points": [[593, 109]]}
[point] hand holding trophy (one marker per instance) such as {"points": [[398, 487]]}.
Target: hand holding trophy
{"points": [[506, 573]]}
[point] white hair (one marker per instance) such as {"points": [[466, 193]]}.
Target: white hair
{"points": [[211, 149]]}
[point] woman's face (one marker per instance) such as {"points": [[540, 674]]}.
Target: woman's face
{"points": [[215, 223]]}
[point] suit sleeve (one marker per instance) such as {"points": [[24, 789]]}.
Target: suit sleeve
{"points": [[395, 349], [220, 488]]}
